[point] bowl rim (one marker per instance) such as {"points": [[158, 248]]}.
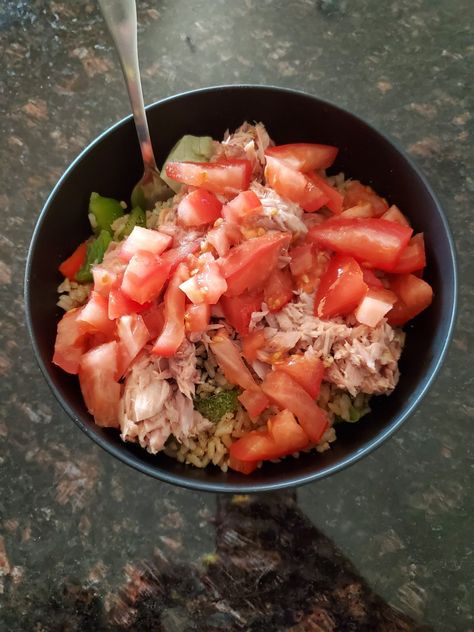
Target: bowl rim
{"points": [[247, 485]]}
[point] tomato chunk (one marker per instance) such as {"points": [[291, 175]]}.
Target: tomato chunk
{"points": [[172, 335], [251, 343], [294, 185], [371, 240], [254, 402], [95, 314], [371, 278], [230, 361], [357, 193], [73, 264], [287, 393], [226, 178], [133, 335], [394, 214], [239, 309], [278, 289], [144, 239], [341, 289], [374, 306], [71, 341], [198, 208], [99, 387], [244, 467], [120, 304], [145, 276], [301, 259], [304, 156], [359, 210], [254, 446], [413, 258], [248, 265], [335, 199], [154, 319], [414, 295], [197, 317], [307, 370], [207, 284], [245, 205], [223, 236], [175, 256]]}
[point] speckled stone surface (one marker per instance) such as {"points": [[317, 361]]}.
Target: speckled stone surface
{"points": [[88, 544]]}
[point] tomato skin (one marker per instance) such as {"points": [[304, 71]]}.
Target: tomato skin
{"points": [[95, 315], [230, 361], [198, 208], [100, 390], [70, 343], [373, 240], [120, 304], [172, 334], [307, 370], [278, 289], [304, 156], [239, 309], [357, 193], [245, 205], [133, 334], [70, 266], [374, 306], [254, 402], [413, 258], [287, 393], [371, 279], [244, 467], [394, 214], [414, 296], [197, 317], [225, 177], [144, 239], [294, 185], [341, 289], [248, 265], [335, 199], [251, 343], [145, 277]]}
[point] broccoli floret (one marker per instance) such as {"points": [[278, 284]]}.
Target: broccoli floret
{"points": [[218, 405]]}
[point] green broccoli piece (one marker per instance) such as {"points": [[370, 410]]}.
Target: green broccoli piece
{"points": [[218, 405]]}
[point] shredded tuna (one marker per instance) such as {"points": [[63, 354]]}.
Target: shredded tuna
{"points": [[248, 142], [278, 213], [182, 367]]}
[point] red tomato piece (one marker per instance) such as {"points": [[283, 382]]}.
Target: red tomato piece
{"points": [[341, 289], [413, 258], [175, 256], [287, 393], [307, 370], [172, 334], [145, 276], [144, 239], [223, 236], [371, 279], [154, 319], [198, 208], [207, 285], [304, 156], [230, 361], [239, 309], [371, 240], [278, 289], [254, 402], [287, 433], [71, 341], [244, 467], [73, 264], [301, 259], [120, 305], [374, 306], [357, 193], [133, 336], [394, 214], [245, 205], [294, 185], [99, 387], [197, 317], [248, 265], [251, 343], [95, 315], [335, 199], [359, 210], [254, 446], [414, 295], [226, 178]]}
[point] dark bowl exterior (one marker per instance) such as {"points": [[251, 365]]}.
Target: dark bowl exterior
{"points": [[112, 165]]}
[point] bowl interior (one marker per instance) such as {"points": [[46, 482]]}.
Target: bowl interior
{"points": [[112, 165]]}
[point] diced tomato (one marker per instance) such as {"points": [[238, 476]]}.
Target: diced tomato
{"points": [[254, 446], [301, 259], [198, 208], [244, 467], [230, 361], [120, 304], [254, 402], [357, 193], [224, 177], [251, 343], [394, 214], [359, 210], [172, 334], [335, 199], [341, 289], [133, 335], [71, 341], [278, 289], [371, 240], [73, 264], [144, 239], [414, 295], [248, 265], [238, 310], [294, 185], [207, 284], [413, 258], [197, 317], [223, 236], [287, 393], [99, 388], [175, 256], [105, 280], [307, 370], [245, 205], [95, 314], [304, 156], [154, 319], [371, 279], [145, 276], [374, 306]]}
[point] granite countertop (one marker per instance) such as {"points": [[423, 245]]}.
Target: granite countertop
{"points": [[88, 544]]}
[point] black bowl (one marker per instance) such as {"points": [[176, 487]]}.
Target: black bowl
{"points": [[112, 165]]}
